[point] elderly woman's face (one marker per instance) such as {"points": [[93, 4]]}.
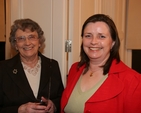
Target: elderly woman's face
{"points": [[27, 43], [97, 41]]}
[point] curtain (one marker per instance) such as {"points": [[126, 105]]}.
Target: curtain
{"points": [[133, 37]]}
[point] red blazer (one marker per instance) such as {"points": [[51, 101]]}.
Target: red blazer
{"points": [[120, 93]]}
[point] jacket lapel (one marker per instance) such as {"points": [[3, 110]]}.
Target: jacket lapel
{"points": [[72, 80], [46, 72], [111, 87], [17, 74]]}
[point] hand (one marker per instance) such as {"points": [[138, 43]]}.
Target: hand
{"points": [[50, 108], [32, 108]]}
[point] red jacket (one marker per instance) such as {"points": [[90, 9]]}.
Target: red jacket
{"points": [[120, 93]]}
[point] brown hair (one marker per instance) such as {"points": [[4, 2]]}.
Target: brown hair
{"points": [[114, 53]]}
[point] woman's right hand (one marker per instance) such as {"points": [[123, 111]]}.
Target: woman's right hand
{"points": [[32, 108]]}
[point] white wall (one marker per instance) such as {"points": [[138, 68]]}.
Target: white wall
{"points": [[51, 16]]}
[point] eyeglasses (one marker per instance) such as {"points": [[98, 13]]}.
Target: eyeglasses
{"points": [[22, 39]]}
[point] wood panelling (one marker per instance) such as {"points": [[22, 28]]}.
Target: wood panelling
{"points": [[2, 21]]}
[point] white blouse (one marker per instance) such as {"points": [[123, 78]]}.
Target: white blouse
{"points": [[33, 76]]}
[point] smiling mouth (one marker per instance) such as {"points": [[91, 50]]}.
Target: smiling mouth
{"points": [[95, 48], [27, 48]]}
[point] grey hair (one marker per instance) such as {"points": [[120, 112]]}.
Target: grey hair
{"points": [[24, 24]]}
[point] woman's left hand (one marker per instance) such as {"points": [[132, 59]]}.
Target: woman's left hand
{"points": [[50, 107]]}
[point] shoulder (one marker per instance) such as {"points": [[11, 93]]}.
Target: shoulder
{"points": [[46, 60], [129, 72], [10, 62], [121, 67], [124, 72], [74, 67]]}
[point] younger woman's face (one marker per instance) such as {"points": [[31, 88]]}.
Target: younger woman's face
{"points": [[97, 41]]}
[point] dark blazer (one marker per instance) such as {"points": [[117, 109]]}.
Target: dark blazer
{"points": [[15, 89]]}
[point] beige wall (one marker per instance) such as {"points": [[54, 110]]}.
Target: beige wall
{"points": [[133, 25], [63, 19]]}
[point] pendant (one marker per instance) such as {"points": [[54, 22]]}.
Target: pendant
{"points": [[91, 74]]}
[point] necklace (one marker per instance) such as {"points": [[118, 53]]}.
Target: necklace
{"points": [[91, 74], [32, 70]]}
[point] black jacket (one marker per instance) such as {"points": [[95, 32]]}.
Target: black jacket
{"points": [[15, 89]]}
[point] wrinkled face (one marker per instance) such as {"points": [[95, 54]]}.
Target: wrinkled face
{"points": [[97, 41], [27, 43]]}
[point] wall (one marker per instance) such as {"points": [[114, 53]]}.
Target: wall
{"points": [[51, 16], [63, 19]]}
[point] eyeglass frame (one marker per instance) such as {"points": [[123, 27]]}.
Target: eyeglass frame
{"points": [[22, 39]]}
